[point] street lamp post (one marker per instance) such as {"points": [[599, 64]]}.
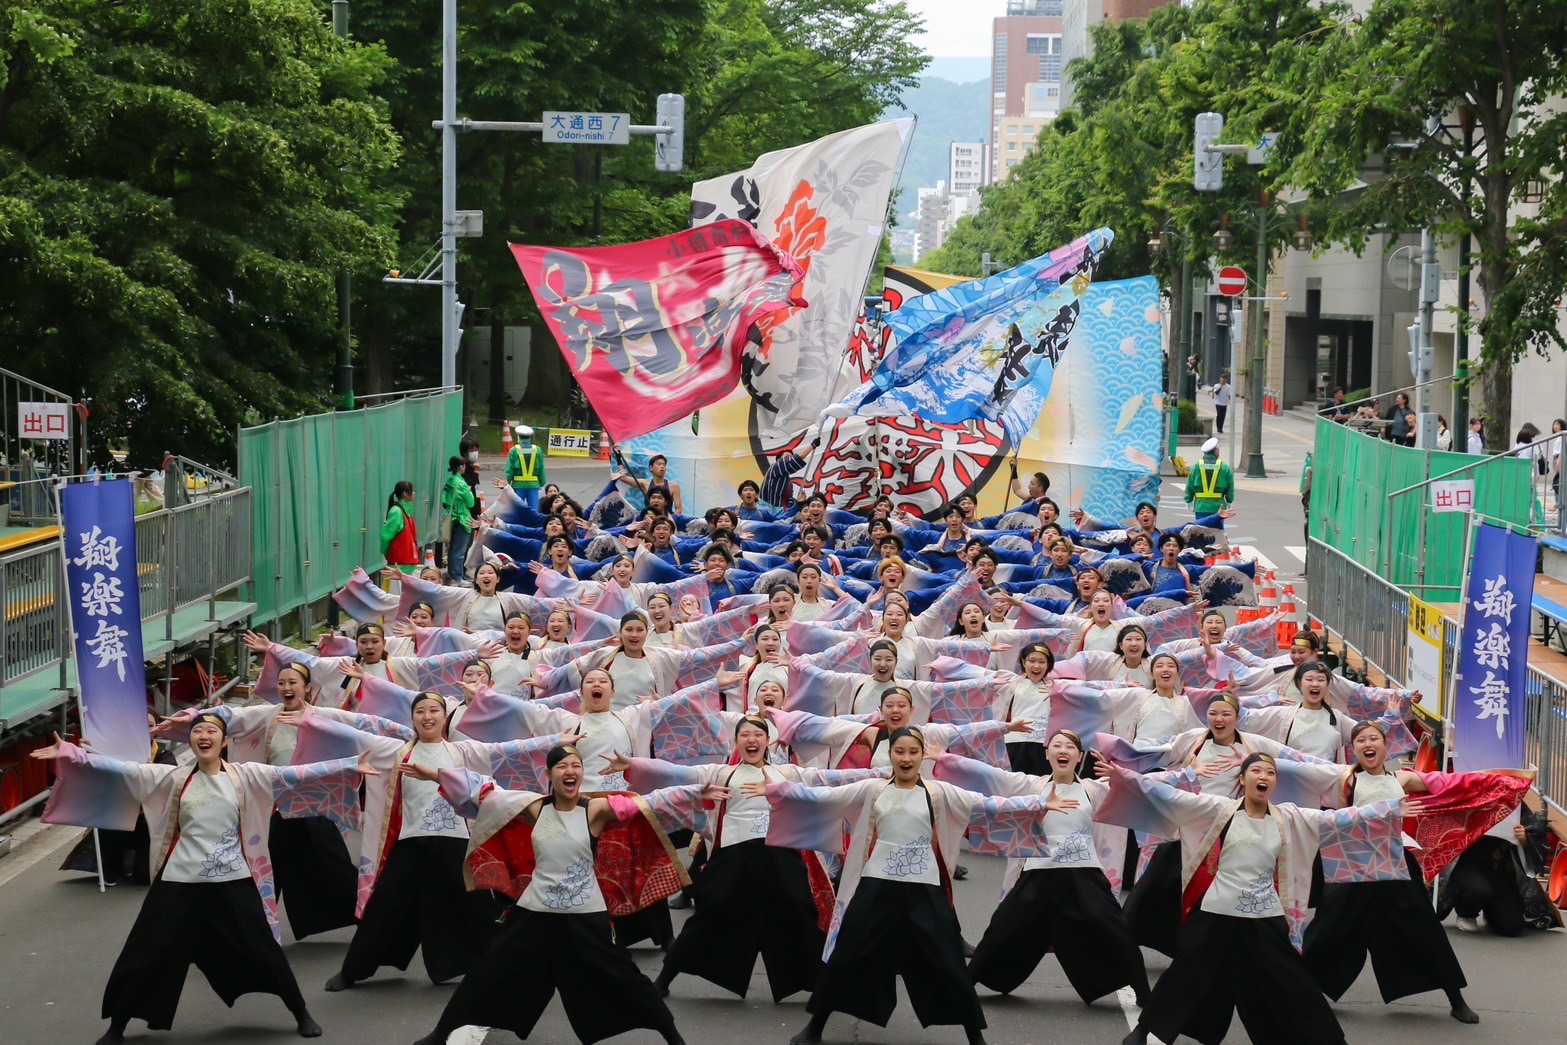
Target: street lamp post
{"points": [[1269, 217], [343, 378]]}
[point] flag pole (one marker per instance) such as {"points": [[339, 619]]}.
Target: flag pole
{"points": [[1449, 720]]}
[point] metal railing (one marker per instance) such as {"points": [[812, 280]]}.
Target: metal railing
{"points": [[34, 446], [1371, 615], [184, 556]]}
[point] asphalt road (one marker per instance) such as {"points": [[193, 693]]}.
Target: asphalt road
{"points": [[59, 938]]}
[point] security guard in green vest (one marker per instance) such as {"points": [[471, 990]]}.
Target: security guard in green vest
{"points": [[525, 468], [1210, 486]]}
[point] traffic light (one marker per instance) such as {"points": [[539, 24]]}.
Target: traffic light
{"points": [[670, 148], [1208, 166]]}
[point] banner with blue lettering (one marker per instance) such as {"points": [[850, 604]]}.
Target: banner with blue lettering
{"points": [[1488, 711], [99, 521]]}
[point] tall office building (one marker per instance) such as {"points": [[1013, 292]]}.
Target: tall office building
{"points": [[966, 167], [1025, 49], [1078, 16]]}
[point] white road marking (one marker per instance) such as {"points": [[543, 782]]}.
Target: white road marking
{"points": [[1128, 999], [468, 1036], [1297, 550]]}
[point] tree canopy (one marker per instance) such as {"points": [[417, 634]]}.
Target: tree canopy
{"points": [[178, 185], [1350, 98], [181, 183]]}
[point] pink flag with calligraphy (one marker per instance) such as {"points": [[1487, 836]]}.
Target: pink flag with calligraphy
{"points": [[653, 331]]}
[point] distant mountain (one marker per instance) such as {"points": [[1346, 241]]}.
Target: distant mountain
{"points": [[948, 112], [959, 70]]}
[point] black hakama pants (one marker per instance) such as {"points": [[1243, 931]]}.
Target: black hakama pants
{"points": [[421, 903], [1072, 910], [1484, 880], [535, 955], [1393, 922], [316, 881], [751, 898], [1027, 756], [1153, 907], [219, 927], [1227, 966], [892, 929], [650, 923]]}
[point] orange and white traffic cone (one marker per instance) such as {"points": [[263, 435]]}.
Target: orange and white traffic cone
{"points": [[506, 440], [604, 444], [1289, 625]]}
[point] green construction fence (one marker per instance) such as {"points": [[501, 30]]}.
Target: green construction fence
{"points": [[320, 486], [1403, 539]]}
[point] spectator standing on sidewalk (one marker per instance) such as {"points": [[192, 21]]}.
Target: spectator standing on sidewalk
{"points": [[1223, 396], [1210, 486], [457, 502], [1476, 444]]}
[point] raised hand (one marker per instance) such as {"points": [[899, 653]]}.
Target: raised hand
{"points": [[353, 669], [1413, 807], [366, 769], [1020, 725], [715, 793], [489, 650], [1056, 804], [754, 789], [50, 753], [410, 768], [403, 628], [291, 718], [256, 642], [616, 762]]}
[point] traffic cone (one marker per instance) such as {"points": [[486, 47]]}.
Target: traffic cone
{"points": [[506, 440], [1268, 594], [603, 444], [1289, 626], [429, 557]]}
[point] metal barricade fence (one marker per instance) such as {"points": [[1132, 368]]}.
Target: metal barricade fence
{"points": [[1366, 611], [1372, 617], [31, 587]]}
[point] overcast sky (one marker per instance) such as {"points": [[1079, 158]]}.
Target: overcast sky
{"points": [[957, 28]]}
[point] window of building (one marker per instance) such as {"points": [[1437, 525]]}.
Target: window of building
{"points": [[1011, 164], [1012, 146], [998, 64]]}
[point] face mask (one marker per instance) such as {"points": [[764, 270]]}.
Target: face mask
{"points": [[474, 457]]}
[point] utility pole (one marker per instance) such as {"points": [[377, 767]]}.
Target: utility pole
{"points": [[1255, 468], [1422, 356], [451, 333], [343, 378]]}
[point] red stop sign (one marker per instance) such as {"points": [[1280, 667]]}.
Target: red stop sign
{"points": [[1232, 281]]}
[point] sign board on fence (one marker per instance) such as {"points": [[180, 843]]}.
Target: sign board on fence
{"points": [[43, 420], [569, 442], [587, 128], [1425, 657], [1453, 495]]}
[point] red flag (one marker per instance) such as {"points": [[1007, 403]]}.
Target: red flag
{"points": [[655, 330]]}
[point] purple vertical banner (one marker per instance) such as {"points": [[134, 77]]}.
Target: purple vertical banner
{"points": [[99, 522], [1489, 717]]}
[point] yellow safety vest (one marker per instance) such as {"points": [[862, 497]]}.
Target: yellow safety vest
{"points": [[528, 465], [1209, 481]]}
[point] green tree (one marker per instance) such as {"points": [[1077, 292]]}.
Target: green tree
{"points": [[179, 183], [1121, 156], [1501, 67], [757, 75]]}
